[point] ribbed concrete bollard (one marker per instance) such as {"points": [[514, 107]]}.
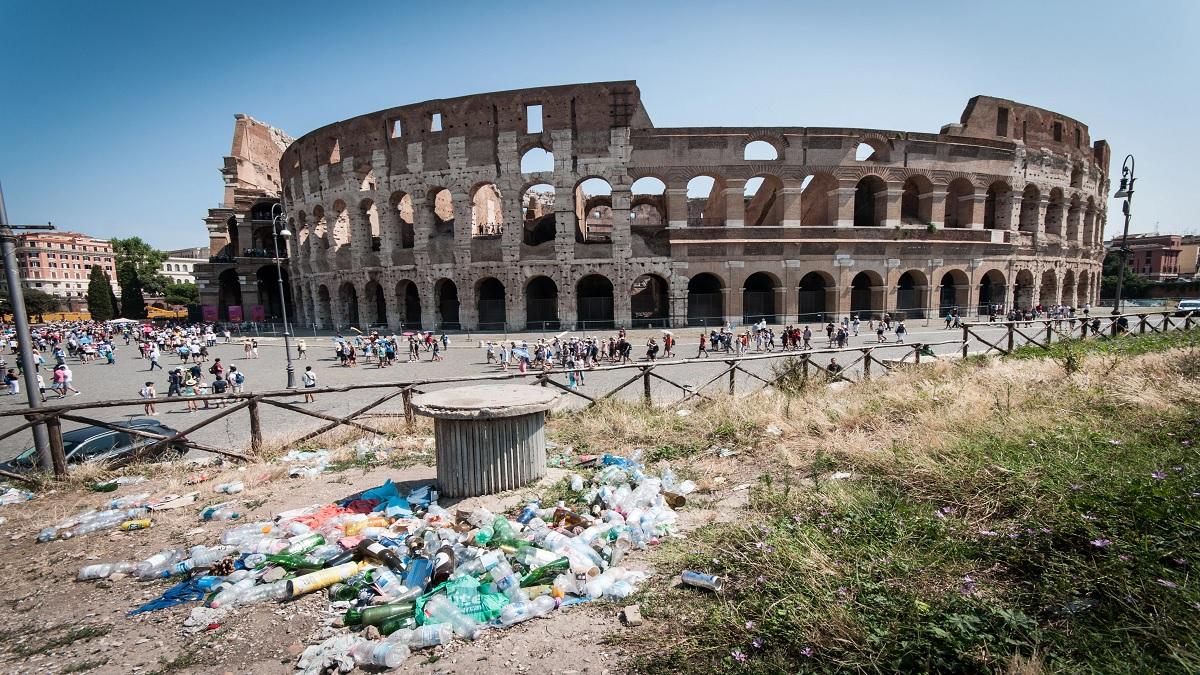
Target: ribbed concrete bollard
{"points": [[490, 438]]}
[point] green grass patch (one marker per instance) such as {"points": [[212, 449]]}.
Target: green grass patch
{"points": [[1074, 546], [84, 666], [70, 637], [1123, 345]]}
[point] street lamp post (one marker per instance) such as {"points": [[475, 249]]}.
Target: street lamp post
{"points": [[1124, 191], [280, 230]]}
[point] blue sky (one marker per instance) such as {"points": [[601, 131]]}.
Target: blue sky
{"points": [[117, 114]]}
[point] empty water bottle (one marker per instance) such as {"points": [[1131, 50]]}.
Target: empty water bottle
{"points": [[103, 570], [523, 611], [439, 609], [231, 488], [379, 653], [429, 635]]}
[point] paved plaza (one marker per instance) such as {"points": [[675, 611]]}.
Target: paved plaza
{"points": [[98, 381]]}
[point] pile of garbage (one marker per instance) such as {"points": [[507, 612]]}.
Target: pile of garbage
{"points": [[412, 574]]}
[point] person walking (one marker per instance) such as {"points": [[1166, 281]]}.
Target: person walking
{"points": [[68, 377], [310, 382], [175, 383], [901, 331], [237, 378], [148, 394], [254, 348], [703, 346], [154, 354], [301, 349]]}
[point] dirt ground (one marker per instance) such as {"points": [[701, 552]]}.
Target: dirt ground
{"points": [[54, 624]]}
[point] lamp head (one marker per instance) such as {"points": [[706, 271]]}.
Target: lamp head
{"points": [[285, 233]]}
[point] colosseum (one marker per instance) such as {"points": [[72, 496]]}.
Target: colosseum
{"points": [[565, 207]]}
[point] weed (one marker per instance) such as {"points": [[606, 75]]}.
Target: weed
{"points": [[180, 662], [252, 504], [86, 632], [84, 666]]}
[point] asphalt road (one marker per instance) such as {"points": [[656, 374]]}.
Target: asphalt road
{"points": [[101, 382]]}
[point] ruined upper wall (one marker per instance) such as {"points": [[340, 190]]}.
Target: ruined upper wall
{"points": [[588, 110], [1037, 128], [253, 161]]}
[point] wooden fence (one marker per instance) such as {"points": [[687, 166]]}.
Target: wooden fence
{"points": [[1044, 332], [871, 359]]}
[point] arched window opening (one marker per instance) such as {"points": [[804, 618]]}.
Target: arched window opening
{"points": [[541, 304], [648, 205], [490, 303], [911, 289], [763, 201], [960, 196], [758, 298], [866, 296], [649, 302], [348, 297], [537, 160], [1030, 206], [817, 207], [760, 151], [991, 293], [487, 212], [815, 296], [593, 210], [916, 201], [446, 299], [441, 203], [705, 202], [403, 212], [537, 214], [594, 302], [870, 202]]}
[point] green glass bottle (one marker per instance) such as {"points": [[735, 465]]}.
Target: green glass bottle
{"points": [[292, 561], [546, 573], [377, 614], [503, 531], [343, 592], [392, 625], [305, 543]]}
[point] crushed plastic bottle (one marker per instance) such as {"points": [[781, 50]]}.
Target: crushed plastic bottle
{"points": [[379, 653], [230, 488], [104, 570], [439, 609]]}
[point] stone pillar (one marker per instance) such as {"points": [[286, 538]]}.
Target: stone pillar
{"points": [[389, 231], [735, 202], [462, 230], [567, 306], [976, 202], [677, 305], [622, 242], [514, 304], [1015, 200], [677, 212], [937, 206], [360, 235], [733, 302], [845, 274], [843, 198], [392, 304], [790, 194], [893, 197], [514, 224], [1042, 207], [566, 221]]}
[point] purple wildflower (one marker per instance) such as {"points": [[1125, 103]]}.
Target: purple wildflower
{"points": [[1101, 543], [807, 651], [988, 533], [761, 578], [1113, 441], [749, 625], [837, 530], [1123, 558], [738, 655], [1168, 584], [1158, 475], [758, 643], [968, 586]]}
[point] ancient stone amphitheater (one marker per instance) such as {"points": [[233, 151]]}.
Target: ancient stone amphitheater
{"points": [[566, 207]]}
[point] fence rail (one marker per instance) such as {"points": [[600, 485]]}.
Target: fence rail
{"points": [[869, 360]]}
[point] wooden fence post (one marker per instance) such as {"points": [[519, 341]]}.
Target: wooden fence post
{"points": [[866, 363], [1011, 337], [1141, 324], [732, 375], [256, 439], [966, 339], [1049, 333], [917, 354], [646, 385], [58, 458], [409, 417]]}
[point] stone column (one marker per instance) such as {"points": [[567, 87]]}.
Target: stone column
{"points": [[514, 304], [1015, 200], [389, 231], [791, 195], [677, 305], [568, 308], [937, 206], [391, 303], [976, 203], [360, 235], [733, 302], [677, 212], [893, 198], [462, 230], [622, 242], [735, 202], [843, 198], [514, 224], [565, 221], [1042, 206]]}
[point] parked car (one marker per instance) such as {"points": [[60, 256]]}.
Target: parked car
{"points": [[1188, 306], [98, 444]]}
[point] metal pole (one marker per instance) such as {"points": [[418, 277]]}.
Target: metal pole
{"points": [[1127, 168], [287, 342], [8, 248]]}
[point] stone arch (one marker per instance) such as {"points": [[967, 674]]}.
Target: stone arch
{"points": [[954, 292], [1054, 212], [1068, 288], [763, 201], [319, 240], [339, 235], [1049, 289], [1083, 292], [997, 206], [593, 210], [1090, 237], [445, 299], [706, 300], [816, 297], [867, 292], [650, 302], [759, 293], [870, 201], [374, 304], [916, 201], [960, 194], [348, 299], [1031, 199], [234, 248], [873, 149], [594, 302], [267, 280], [402, 210], [992, 291], [1074, 220], [816, 206], [912, 288], [1023, 290], [408, 301], [537, 214], [369, 215], [706, 200], [648, 205], [760, 150], [324, 307], [541, 303], [440, 203], [229, 292], [487, 211], [537, 160], [490, 303]]}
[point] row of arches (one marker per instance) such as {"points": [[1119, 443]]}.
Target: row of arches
{"points": [[594, 304], [816, 297]]}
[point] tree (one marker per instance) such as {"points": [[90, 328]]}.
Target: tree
{"points": [[182, 294], [99, 295], [1134, 284], [37, 303], [138, 265]]}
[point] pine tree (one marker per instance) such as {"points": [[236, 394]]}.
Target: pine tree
{"points": [[99, 295], [133, 302]]}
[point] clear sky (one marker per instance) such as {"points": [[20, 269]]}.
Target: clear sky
{"points": [[116, 114]]}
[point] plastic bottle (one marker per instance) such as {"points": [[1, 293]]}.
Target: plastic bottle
{"points": [[546, 573], [483, 535], [304, 543], [686, 487], [230, 488], [523, 611], [228, 596], [103, 570], [263, 544], [154, 565], [420, 570], [273, 591], [429, 635], [440, 609], [136, 524], [576, 483], [502, 573], [220, 512], [315, 581], [127, 501], [243, 533], [379, 653], [206, 556], [503, 531]]}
